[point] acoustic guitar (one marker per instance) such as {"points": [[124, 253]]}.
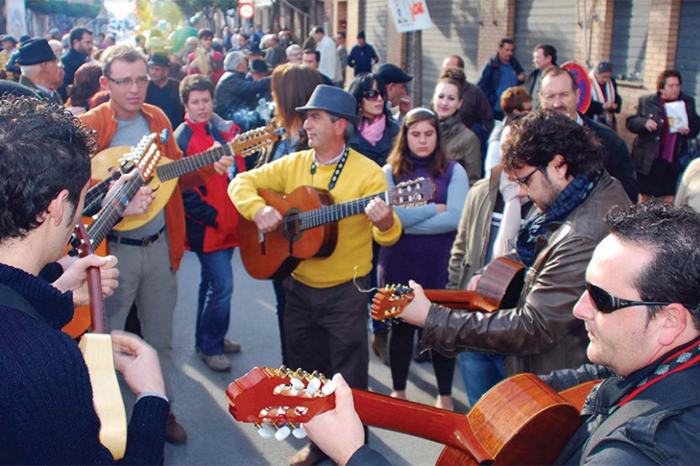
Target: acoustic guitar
{"points": [[148, 151], [521, 421], [168, 171], [309, 225], [97, 351], [499, 288]]}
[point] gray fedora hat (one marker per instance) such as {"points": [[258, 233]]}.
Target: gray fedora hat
{"points": [[333, 100]]}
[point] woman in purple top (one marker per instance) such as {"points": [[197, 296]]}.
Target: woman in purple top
{"points": [[423, 252]]}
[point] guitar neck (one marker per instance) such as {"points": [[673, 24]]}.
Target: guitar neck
{"points": [[419, 420], [112, 213], [101, 188], [335, 212], [468, 300], [195, 162]]}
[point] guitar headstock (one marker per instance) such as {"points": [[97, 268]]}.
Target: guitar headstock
{"points": [[390, 301], [413, 192], [147, 153], [255, 139], [80, 241], [281, 398]]}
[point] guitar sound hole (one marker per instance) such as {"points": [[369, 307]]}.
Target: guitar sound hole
{"points": [[291, 225]]}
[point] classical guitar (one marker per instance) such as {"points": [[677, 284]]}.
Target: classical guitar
{"points": [[168, 171], [499, 288], [97, 351], [309, 225], [100, 189], [520, 421], [148, 151]]}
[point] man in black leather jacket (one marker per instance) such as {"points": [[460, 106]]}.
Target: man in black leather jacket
{"points": [[642, 314]]}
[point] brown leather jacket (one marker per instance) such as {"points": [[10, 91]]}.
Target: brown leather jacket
{"points": [[542, 334]]}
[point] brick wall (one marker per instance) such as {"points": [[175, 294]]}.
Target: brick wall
{"points": [[498, 21]]}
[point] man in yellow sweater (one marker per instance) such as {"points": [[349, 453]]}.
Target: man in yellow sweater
{"points": [[325, 319]]}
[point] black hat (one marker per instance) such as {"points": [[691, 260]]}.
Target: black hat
{"points": [[258, 65], [8, 37], [35, 51], [391, 73], [24, 38], [159, 59], [253, 49], [361, 35], [333, 100]]}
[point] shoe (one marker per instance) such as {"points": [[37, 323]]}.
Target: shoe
{"points": [[231, 347], [216, 362], [380, 345], [419, 356], [174, 432], [309, 455]]}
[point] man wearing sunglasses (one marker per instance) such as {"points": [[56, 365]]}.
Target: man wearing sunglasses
{"points": [[641, 310], [558, 164]]}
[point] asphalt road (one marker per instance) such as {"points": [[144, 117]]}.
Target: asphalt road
{"points": [[200, 403]]}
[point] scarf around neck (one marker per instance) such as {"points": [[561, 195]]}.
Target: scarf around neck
{"points": [[373, 131], [569, 199]]}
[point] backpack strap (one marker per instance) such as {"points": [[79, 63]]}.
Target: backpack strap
{"points": [[13, 299]]}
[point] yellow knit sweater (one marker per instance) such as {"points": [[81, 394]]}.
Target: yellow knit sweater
{"points": [[360, 177]]}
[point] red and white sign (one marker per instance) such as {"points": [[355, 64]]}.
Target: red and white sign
{"points": [[246, 10]]}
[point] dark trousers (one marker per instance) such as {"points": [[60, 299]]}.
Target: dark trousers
{"points": [[401, 351], [326, 330]]}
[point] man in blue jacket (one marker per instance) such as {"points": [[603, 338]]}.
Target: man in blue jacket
{"points": [[500, 73]]}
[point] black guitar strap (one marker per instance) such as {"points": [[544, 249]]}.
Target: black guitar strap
{"points": [[11, 298]]}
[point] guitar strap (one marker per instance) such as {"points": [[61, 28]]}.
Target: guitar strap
{"points": [[11, 298]]}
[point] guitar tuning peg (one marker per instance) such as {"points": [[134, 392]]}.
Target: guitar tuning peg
{"points": [[298, 432], [297, 384], [263, 431], [329, 388], [313, 386], [282, 433]]}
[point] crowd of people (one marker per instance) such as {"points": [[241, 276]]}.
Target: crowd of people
{"points": [[520, 173]]}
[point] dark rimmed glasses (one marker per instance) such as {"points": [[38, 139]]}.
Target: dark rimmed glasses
{"points": [[372, 95], [606, 303], [522, 181]]}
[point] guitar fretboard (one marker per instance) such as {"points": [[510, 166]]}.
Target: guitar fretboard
{"points": [[195, 162], [335, 212], [112, 213], [101, 188]]}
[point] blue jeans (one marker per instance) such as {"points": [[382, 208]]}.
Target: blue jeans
{"points": [[214, 303], [481, 371]]}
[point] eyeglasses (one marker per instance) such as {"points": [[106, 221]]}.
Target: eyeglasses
{"points": [[606, 303], [522, 181], [128, 82], [372, 95]]}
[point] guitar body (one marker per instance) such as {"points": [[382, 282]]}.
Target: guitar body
{"points": [[81, 317], [106, 396], [275, 255], [108, 158]]}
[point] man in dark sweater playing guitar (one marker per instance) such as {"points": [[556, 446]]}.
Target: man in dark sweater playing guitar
{"points": [[46, 395], [641, 311]]}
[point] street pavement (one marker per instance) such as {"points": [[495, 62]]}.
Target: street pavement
{"points": [[200, 401]]}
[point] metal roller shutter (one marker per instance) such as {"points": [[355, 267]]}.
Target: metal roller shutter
{"points": [[545, 21], [630, 31], [687, 57], [455, 31], [375, 22]]}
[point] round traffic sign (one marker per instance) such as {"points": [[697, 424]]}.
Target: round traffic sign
{"points": [[582, 82], [246, 10]]}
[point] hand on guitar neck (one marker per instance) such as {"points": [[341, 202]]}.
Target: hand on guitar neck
{"points": [[74, 277], [139, 204], [222, 165]]}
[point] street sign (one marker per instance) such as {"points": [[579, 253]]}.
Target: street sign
{"points": [[583, 84], [246, 10]]}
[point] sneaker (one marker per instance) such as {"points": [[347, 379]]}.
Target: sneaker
{"points": [[174, 432], [231, 347], [307, 456], [380, 345], [216, 362]]}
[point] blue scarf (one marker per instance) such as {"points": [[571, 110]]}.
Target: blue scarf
{"points": [[573, 196]]}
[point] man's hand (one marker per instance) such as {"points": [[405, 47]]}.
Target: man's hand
{"points": [[138, 363], [267, 219], [141, 201], [684, 131], [380, 214], [651, 125], [405, 104], [416, 313], [338, 432], [74, 278], [522, 77], [222, 165]]}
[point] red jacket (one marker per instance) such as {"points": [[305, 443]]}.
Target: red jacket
{"points": [[211, 218], [103, 121]]}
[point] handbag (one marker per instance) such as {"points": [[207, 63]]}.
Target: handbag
{"points": [[689, 152]]}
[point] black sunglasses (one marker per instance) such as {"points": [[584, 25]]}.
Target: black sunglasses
{"points": [[607, 303], [371, 95]]}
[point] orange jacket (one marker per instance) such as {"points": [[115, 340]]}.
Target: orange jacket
{"points": [[103, 121]]}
